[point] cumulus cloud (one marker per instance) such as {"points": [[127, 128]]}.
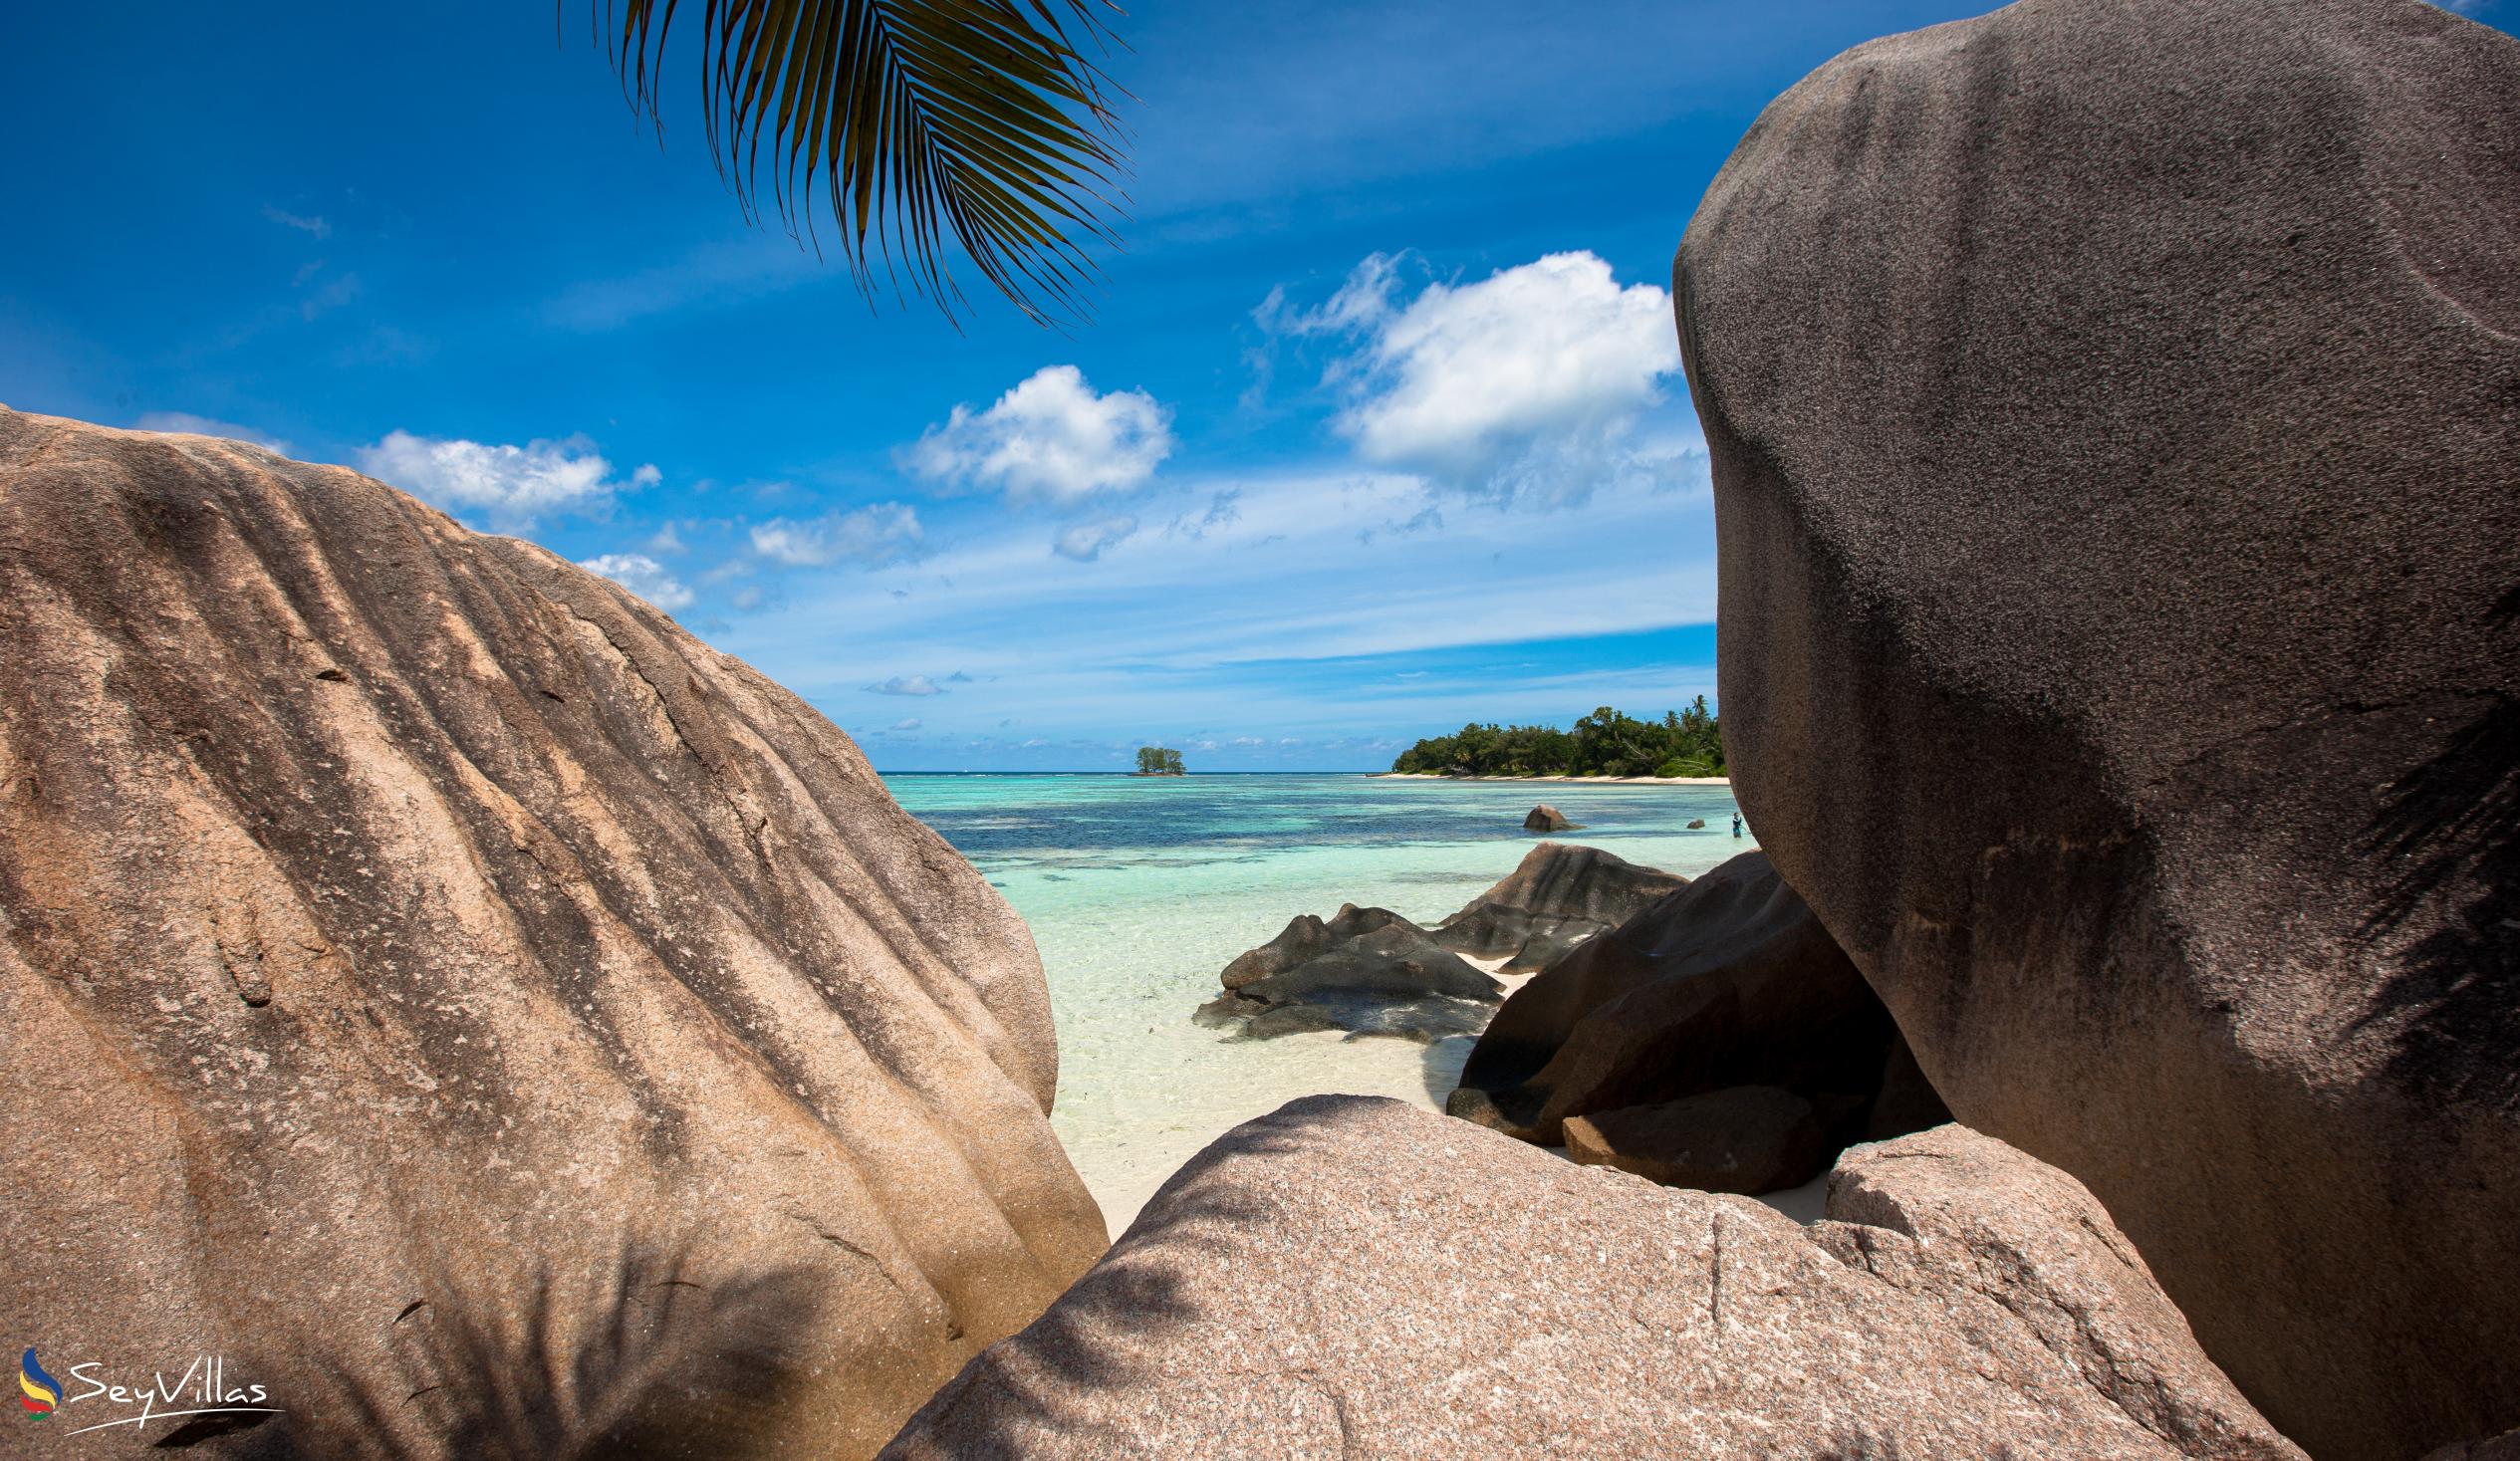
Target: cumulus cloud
{"points": [[190, 425], [1086, 541], [1529, 382], [642, 576], [1050, 439], [912, 724], [511, 486], [883, 533]]}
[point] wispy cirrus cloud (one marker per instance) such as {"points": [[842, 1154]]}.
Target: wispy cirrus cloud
{"points": [[1085, 542], [185, 422], [917, 684], [310, 223], [871, 536]]}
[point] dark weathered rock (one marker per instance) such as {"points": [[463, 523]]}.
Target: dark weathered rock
{"points": [[492, 1020], [1305, 938], [1697, 823], [1744, 1138], [1560, 895], [1545, 818], [1905, 1100], [2113, 432], [1728, 981], [1353, 1277], [2504, 1447], [1389, 979]]}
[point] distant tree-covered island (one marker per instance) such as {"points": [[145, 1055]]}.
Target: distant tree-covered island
{"points": [[1158, 760], [1605, 743]]}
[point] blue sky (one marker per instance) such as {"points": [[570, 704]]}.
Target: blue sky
{"points": [[1378, 426]]}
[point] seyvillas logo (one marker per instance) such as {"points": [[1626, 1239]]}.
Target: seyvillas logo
{"points": [[37, 1391], [202, 1387]]}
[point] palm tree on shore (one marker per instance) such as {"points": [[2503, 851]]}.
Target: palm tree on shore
{"points": [[917, 121]]}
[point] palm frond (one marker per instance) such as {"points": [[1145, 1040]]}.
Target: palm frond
{"points": [[914, 120]]}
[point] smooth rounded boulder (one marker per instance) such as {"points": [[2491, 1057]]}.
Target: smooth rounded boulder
{"points": [[1545, 818], [1353, 1276], [2115, 416], [482, 1014]]}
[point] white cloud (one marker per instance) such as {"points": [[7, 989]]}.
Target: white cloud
{"points": [[912, 724], [917, 684], [304, 223], [190, 425], [511, 486], [1529, 382], [642, 576], [886, 532], [1050, 439], [1086, 541]]}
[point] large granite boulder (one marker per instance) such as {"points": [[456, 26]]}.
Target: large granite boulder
{"points": [[1545, 818], [1561, 894], [1365, 971], [2114, 432], [1726, 982], [1353, 1277], [489, 1019]]}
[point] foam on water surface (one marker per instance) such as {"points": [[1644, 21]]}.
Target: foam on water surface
{"points": [[1138, 891]]}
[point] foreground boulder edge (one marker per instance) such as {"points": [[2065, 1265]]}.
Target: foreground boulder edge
{"points": [[492, 1020], [2114, 415], [1352, 1276]]}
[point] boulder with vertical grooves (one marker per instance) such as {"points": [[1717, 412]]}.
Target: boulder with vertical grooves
{"points": [[493, 1021]]}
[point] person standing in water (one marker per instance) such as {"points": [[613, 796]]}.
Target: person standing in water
{"points": [[1736, 823]]}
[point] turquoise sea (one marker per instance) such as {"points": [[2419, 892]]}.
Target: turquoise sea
{"points": [[1138, 891]]}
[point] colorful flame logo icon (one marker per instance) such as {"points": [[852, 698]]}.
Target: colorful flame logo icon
{"points": [[37, 1391]]}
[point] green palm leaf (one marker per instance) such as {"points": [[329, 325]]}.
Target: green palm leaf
{"points": [[915, 121]]}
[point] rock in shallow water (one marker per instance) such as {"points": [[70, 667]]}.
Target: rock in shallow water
{"points": [[488, 1017], [1391, 981], [2112, 417], [1545, 818], [1561, 894], [1353, 1277], [1369, 971]]}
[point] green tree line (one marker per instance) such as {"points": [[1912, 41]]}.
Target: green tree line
{"points": [[1605, 743]]}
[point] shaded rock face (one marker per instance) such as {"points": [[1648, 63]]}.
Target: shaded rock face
{"points": [[496, 1022], [1744, 1138], [1584, 1312], [2113, 432], [1545, 818], [1560, 895], [1728, 981], [1306, 938], [1367, 971]]}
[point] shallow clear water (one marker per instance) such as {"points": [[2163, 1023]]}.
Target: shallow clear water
{"points": [[1138, 891]]}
